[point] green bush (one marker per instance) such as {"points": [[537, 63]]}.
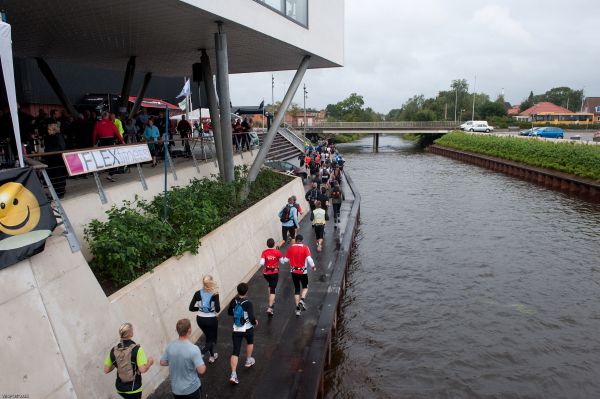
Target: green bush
{"points": [[135, 239], [346, 138], [568, 157]]}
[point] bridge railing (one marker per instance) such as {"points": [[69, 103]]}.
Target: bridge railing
{"points": [[384, 125]]}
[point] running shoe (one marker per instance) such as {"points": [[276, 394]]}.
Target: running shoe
{"points": [[270, 311], [298, 311], [213, 358], [250, 362], [302, 305], [233, 380]]}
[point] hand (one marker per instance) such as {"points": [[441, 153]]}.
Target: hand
{"points": [[314, 268], [150, 361], [256, 325]]}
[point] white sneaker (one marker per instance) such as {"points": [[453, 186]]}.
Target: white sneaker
{"points": [[250, 362], [233, 380], [297, 311], [270, 311], [302, 304], [213, 358]]}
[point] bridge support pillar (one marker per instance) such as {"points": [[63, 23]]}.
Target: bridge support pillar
{"points": [[375, 142]]}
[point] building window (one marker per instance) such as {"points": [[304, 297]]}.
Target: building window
{"points": [[295, 10], [598, 109]]}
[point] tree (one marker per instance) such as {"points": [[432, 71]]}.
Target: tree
{"points": [[527, 103], [490, 109], [351, 110]]}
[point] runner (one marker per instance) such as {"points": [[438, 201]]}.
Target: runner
{"points": [[297, 205], [299, 256], [206, 303], [130, 361], [324, 198], [185, 363], [319, 217], [288, 216], [270, 259], [312, 195], [243, 327], [337, 197]]}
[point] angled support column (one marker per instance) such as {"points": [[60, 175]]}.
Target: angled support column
{"points": [[213, 107], [224, 104], [51, 78], [126, 89], [141, 94], [270, 136]]}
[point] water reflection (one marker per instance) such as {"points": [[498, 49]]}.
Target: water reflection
{"points": [[466, 283]]}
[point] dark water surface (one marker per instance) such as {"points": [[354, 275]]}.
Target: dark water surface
{"points": [[466, 283]]}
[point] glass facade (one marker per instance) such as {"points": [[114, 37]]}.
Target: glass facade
{"points": [[296, 10]]}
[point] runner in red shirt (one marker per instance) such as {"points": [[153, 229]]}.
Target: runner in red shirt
{"points": [[299, 257], [270, 259]]}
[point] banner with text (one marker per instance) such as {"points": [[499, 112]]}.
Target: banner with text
{"points": [[103, 158]]}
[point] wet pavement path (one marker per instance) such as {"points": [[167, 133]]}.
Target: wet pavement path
{"points": [[281, 342]]}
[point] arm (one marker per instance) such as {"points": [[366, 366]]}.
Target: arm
{"points": [[250, 309], [143, 363], [95, 135], [193, 307], [145, 367], [201, 369], [116, 133], [230, 309], [164, 360], [217, 303], [108, 363]]}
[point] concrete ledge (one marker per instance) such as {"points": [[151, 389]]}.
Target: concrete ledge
{"points": [[61, 317]]}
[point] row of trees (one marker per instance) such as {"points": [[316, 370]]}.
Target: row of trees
{"points": [[455, 103]]}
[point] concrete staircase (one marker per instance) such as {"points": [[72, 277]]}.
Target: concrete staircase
{"points": [[282, 148]]}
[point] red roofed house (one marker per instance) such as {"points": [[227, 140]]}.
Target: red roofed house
{"points": [[592, 105], [545, 113], [513, 111]]}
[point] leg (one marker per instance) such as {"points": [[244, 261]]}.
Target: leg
{"points": [[304, 281], [296, 281], [233, 362], [249, 334]]}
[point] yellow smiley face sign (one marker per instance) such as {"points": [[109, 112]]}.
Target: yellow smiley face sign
{"points": [[19, 209]]}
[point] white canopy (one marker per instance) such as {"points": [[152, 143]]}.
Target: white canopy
{"points": [[9, 82], [195, 114]]}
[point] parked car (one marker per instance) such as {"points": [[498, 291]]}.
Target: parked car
{"points": [[287, 167], [528, 132], [596, 136], [468, 124], [480, 127], [549, 132]]}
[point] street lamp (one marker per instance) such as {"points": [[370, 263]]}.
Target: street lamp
{"points": [[305, 95], [460, 115]]}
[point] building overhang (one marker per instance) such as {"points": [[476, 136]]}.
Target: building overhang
{"points": [[164, 35]]}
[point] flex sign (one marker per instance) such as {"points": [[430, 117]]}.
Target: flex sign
{"points": [[102, 158]]}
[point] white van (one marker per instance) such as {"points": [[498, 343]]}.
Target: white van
{"points": [[468, 125]]}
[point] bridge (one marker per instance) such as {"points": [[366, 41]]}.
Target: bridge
{"points": [[376, 128]]}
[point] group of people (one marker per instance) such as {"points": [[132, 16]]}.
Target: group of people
{"points": [[185, 359], [241, 133]]}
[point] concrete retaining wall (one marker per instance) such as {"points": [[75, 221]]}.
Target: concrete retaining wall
{"points": [[58, 325], [571, 184]]}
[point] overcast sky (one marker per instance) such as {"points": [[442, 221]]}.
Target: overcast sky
{"points": [[397, 48]]}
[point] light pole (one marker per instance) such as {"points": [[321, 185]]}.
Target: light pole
{"points": [[460, 115], [474, 91], [305, 93], [455, 103], [272, 96]]}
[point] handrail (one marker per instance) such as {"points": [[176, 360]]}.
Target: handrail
{"points": [[389, 125], [290, 136]]}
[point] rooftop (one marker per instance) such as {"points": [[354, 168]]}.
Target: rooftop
{"points": [[545, 107]]}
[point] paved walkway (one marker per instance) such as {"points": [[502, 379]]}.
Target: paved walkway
{"points": [[281, 342]]}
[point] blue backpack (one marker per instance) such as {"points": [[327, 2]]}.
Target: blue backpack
{"points": [[238, 313], [205, 298]]}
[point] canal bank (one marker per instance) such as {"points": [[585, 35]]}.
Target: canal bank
{"points": [[465, 283], [585, 188], [292, 353]]}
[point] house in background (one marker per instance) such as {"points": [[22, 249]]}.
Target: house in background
{"points": [[592, 105], [547, 113]]}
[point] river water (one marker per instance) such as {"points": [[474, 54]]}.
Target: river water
{"points": [[466, 283]]}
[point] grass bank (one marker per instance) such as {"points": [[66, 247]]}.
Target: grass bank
{"points": [[346, 138], [135, 239], [577, 159]]}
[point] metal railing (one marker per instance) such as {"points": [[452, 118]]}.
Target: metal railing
{"points": [[292, 137], [382, 125]]}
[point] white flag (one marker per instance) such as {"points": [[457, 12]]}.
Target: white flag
{"points": [[186, 89], [183, 104]]}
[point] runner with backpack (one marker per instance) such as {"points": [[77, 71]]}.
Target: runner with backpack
{"points": [[130, 361], [337, 197], [243, 328], [288, 216], [270, 260], [319, 217], [206, 302], [312, 195]]}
